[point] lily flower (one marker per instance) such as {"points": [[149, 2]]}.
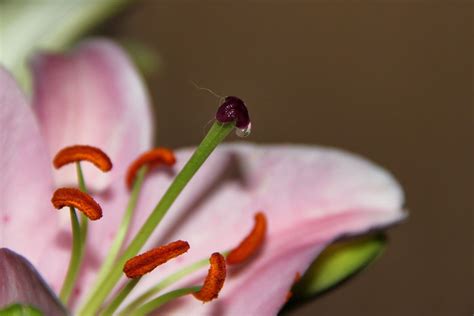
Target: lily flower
{"points": [[294, 200]]}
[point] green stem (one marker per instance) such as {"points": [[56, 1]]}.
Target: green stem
{"points": [[163, 299], [216, 134], [109, 262], [83, 188], [74, 261], [79, 236], [112, 307]]}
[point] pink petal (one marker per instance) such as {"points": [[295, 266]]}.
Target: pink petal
{"points": [[311, 196], [21, 283], [28, 222], [93, 96]]}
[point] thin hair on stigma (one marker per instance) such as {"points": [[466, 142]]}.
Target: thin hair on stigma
{"points": [[219, 97]]}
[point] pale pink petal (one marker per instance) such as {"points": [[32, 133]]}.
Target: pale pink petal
{"points": [[92, 96], [28, 222], [21, 283], [311, 196]]}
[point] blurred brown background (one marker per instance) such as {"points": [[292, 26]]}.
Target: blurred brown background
{"points": [[392, 81]]}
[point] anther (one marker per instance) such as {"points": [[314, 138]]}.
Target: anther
{"points": [[82, 152], [151, 158], [75, 198], [214, 280], [234, 110], [146, 262], [251, 243]]}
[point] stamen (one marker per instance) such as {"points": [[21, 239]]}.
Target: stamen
{"points": [[234, 110], [251, 243], [82, 152], [151, 158], [214, 280], [214, 137], [75, 198], [146, 262]]}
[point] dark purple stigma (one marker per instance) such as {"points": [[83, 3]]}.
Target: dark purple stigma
{"points": [[233, 110]]}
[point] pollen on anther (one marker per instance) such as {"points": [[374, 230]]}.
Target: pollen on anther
{"points": [[146, 262], [251, 243], [75, 198], [82, 152], [152, 158], [214, 280]]}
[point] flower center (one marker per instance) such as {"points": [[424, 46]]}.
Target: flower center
{"points": [[231, 114]]}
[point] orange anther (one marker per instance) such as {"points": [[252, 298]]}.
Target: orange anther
{"points": [[82, 152], [146, 262], [75, 198], [151, 158], [251, 243], [214, 280]]}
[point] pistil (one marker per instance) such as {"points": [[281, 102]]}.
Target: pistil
{"points": [[216, 135], [227, 118]]}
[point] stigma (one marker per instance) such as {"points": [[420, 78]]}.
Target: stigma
{"points": [[233, 109]]}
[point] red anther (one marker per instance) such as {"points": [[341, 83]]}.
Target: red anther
{"points": [[82, 152], [152, 158], [75, 198], [251, 243], [214, 280], [146, 262]]}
